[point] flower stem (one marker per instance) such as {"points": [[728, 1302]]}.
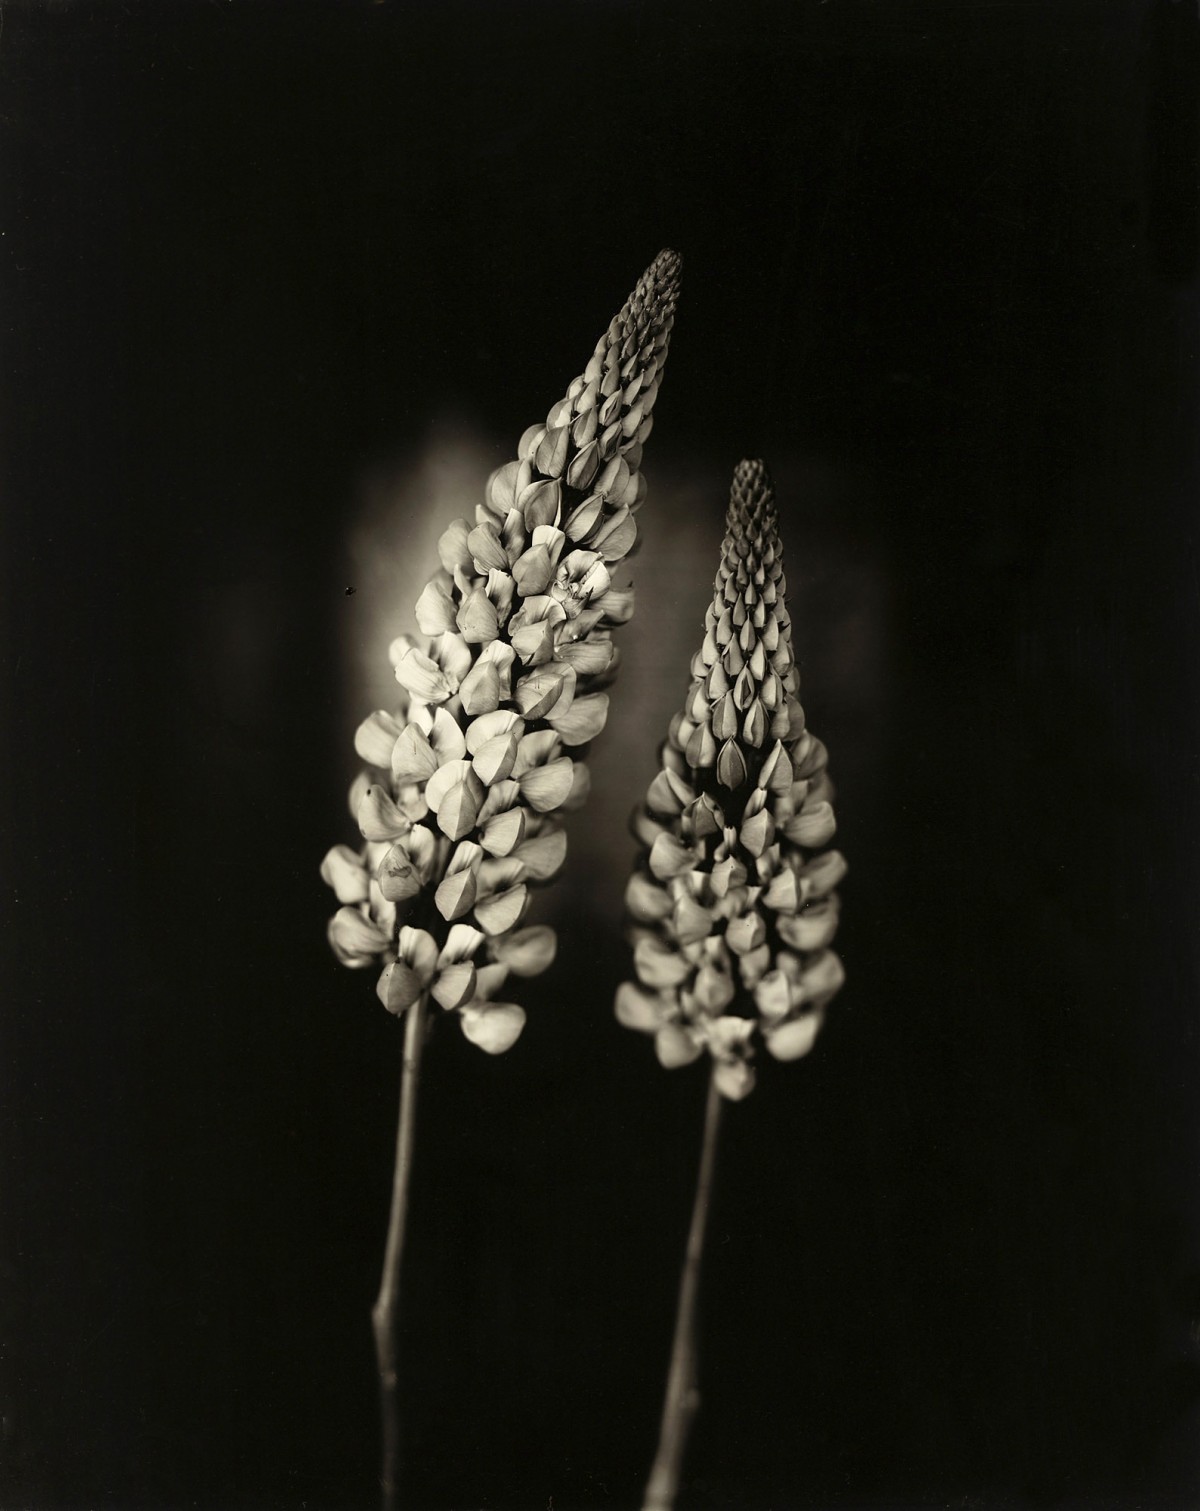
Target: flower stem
{"points": [[384, 1313], [683, 1396]]}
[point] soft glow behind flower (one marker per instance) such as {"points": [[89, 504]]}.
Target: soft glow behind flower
{"points": [[731, 913], [501, 696]]}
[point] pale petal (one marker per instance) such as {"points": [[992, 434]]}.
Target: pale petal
{"points": [[455, 985], [819, 877], [659, 965], [583, 721], [452, 546], [502, 911], [773, 994], [424, 678], [734, 1079], [528, 952], [343, 870], [459, 808], [792, 1041], [445, 735], [354, 939], [375, 736], [399, 986], [675, 1047], [745, 933], [461, 943], [418, 948], [645, 901], [493, 1026], [456, 894], [542, 857], [378, 817], [397, 876], [546, 787], [822, 977], [413, 758], [536, 749], [445, 778], [639, 1009], [713, 990], [435, 609], [503, 833], [477, 620], [489, 726], [488, 981], [669, 857], [813, 928]]}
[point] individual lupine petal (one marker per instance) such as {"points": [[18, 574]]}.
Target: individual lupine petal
{"points": [[644, 901], [502, 911], [494, 761], [822, 977], [590, 658], [487, 684], [783, 893], [355, 940], [745, 933], [502, 834], [343, 870], [668, 794], [540, 503], [639, 1009], [581, 785], [459, 808], [422, 677], [616, 605], [454, 986], [375, 736], [731, 765], [727, 876], [358, 790], [445, 779], [378, 816], [658, 965], [691, 921], [499, 799], [528, 952], [545, 788], [487, 549], [435, 608], [413, 757], [398, 877], [813, 928], [773, 994], [713, 989], [793, 1039], [455, 895], [670, 857], [757, 832], [501, 721], [821, 874], [542, 857], [536, 749], [453, 550], [477, 620], [734, 1079], [492, 1026], [544, 689], [583, 720], [674, 1046], [814, 825]]}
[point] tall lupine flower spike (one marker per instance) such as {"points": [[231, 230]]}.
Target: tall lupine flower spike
{"points": [[502, 691], [732, 906]]}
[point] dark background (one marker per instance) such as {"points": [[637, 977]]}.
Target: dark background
{"points": [[259, 260]]}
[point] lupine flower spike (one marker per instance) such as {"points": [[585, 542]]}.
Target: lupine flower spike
{"points": [[733, 906], [501, 692]]}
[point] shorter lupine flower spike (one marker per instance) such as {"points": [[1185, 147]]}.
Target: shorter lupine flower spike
{"points": [[502, 692], [733, 905]]}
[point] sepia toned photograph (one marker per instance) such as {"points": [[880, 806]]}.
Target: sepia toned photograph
{"points": [[599, 809]]}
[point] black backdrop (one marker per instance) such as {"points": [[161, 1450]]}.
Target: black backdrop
{"points": [[940, 266]]}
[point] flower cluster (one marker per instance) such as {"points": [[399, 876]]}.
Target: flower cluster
{"points": [[733, 906], [502, 691]]}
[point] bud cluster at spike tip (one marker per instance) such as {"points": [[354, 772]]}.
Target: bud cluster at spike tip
{"points": [[501, 693], [732, 906]]}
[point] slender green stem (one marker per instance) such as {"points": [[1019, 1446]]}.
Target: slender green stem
{"points": [[384, 1314], [683, 1396]]}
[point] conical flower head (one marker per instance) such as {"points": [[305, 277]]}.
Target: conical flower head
{"points": [[502, 691], [733, 904]]}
